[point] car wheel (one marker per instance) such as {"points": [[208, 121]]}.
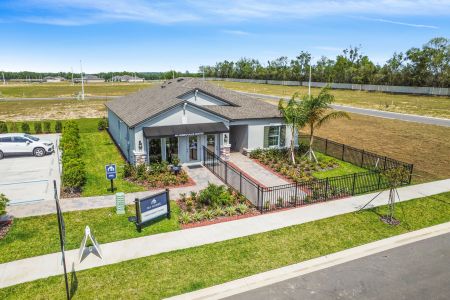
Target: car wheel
{"points": [[39, 152], [1, 155]]}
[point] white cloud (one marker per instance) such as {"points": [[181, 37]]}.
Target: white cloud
{"points": [[78, 12], [402, 23], [236, 32]]}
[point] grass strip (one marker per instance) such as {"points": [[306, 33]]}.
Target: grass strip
{"points": [[33, 236], [186, 270]]}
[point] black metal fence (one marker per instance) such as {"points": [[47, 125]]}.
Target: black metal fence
{"points": [[317, 190]]}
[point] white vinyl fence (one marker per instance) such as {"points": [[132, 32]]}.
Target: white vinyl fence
{"points": [[416, 90]]}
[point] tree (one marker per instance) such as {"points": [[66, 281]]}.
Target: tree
{"points": [[315, 110], [395, 177], [294, 118]]}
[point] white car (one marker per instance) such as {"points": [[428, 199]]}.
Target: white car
{"points": [[22, 144]]}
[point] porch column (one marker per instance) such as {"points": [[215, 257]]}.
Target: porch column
{"points": [[140, 157], [225, 146]]}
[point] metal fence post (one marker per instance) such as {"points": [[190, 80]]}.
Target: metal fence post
{"points": [[240, 182], [295, 193], [343, 152], [410, 173], [258, 200], [226, 173], [385, 162], [326, 188], [362, 158], [326, 146], [354, 183]]}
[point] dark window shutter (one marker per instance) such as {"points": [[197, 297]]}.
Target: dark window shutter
{"points": [[283, 136], [266, 137]]}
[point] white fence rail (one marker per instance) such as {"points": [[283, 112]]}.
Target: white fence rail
{"points": [[415, 90]]}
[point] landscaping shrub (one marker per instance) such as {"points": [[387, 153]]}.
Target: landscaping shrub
{"points": [[102, 124], [25, 127], [14, 127], [37, 127], [3, 202], [3, 127], [47, 127], [74, 171], [154, 175], [58, 127], [215, 195]]}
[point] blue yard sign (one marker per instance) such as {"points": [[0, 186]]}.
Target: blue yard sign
{"points": [[151, 208], [111, 171]]}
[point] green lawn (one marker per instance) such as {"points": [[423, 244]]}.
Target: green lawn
{"points": [[344, 168], [35, 236], [98, 151], [181, 271]]}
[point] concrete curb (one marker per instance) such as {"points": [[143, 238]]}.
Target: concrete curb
{"points": [[270, 277]]}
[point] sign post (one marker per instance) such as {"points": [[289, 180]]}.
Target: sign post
{"points": [[111, 174], [151, 208], [62, 237]]}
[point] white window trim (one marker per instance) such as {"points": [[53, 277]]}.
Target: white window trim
{"points": [[278, 135]]}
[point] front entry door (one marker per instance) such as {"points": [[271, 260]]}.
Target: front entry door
{"points": [[193, 148]]}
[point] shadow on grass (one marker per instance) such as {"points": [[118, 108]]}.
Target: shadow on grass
{"points": [[73, 282]]}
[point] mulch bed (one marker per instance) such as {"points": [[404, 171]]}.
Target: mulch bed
{"points": [[389, 221], [5, 226], [273, 171], [221, 220]]}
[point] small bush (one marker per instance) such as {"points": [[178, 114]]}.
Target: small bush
{"points": [[102, 124], [185, 218], [129, 171], [3, 202], [58, 127], [25, 127], [215, 195], [230, 210], [242, 209], [74, 175], [3, 127], [14, 127], [47, 127], [37, 127]]}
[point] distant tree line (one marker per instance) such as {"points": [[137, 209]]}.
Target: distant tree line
{"points": [[35, 76], [426, 66]]}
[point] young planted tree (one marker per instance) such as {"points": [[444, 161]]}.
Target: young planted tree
{"points": [[316, 112], [293, 117], [395, 177]]}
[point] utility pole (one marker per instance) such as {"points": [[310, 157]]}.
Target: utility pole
{"points": [[82, 82], [173, 74], [3, 74], [309, 83], [71, 71]]}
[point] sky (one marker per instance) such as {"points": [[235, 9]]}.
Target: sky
{"points": [[155, 35]]}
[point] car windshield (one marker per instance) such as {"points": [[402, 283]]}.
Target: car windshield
{"points": [[31, 137]]}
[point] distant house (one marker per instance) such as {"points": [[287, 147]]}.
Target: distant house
{"points": [[53, 79], [127, 78], [90, 79]]}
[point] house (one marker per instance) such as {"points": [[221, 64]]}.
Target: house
{"points": [[127, 78], [53, 79], [180, 117], [90, 79]]}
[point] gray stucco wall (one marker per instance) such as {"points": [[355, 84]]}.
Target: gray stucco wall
{"points": [[120, 133]]}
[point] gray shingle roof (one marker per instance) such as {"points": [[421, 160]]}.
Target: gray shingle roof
{"points": [[140, 106]]}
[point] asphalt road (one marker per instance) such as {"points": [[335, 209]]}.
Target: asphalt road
{"points": [[420, 270], [374, 112]]}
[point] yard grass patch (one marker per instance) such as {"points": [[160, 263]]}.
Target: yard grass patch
{"points": [[33, 236], [191, 269], [344, 168], [98, 151]]}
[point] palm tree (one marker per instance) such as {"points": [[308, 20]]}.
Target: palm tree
{"points": [[316, 113], [293, 117]]}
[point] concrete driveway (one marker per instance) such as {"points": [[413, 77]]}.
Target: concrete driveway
{"points": [[25, 179]]}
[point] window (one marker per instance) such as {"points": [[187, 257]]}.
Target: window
{"points": [[211, 142], [6, 140], [19, 139], [274, 136], [171, 148], [154, 152]]}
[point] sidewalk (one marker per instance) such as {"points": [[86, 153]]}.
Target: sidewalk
{"points": [[48, 265], [256, 171], [201, 176]]}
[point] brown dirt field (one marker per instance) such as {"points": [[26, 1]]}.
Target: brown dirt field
{"points": [[426, 146]]}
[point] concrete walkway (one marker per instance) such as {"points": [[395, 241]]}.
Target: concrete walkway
{"points": [[256, 171], [372, 112], [48, 265], [200, 175]]}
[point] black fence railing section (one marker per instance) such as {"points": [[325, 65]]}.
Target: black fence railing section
{"points": [[317, 190]]}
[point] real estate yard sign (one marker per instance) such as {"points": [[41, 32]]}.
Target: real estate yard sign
{"points": [[151, 208]]}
